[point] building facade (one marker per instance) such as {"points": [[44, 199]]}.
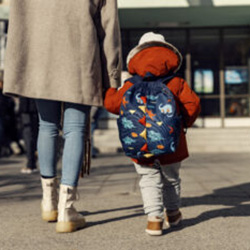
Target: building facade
{"points": [[216, 65], [214, 39]]}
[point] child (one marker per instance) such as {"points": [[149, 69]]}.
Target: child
{"points": [[160, 182]]}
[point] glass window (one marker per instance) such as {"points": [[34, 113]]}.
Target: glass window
{"points": [[236, 80], [134, 37], [236, 47], [204, 45], [236, 51], [203, 81], [204, 49], [237, 107], [210, 107], [175, 37]]}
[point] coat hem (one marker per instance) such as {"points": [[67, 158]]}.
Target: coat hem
{"points": [[85, 102]]}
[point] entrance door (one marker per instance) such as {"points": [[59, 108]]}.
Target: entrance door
{"points": [[204, 50]]}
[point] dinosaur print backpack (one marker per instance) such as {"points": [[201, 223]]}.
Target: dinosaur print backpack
{"points": [[148, 123]]}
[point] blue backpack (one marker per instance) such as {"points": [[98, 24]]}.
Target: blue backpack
{"points": [[148, 124]]}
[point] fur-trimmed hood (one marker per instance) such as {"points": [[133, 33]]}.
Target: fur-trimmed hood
{"points": [[153, 54]]}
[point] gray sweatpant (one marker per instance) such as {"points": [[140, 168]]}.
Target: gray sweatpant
{"points": [[160, 187]]}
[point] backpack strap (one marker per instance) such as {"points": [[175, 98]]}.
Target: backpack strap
{"points": [[135, 79], [150, 77]]}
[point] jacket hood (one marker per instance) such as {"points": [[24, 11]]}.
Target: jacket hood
{"points": [[157, 60]]}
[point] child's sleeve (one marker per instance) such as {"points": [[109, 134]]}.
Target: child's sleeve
{"points": [[113, 98], [190, 104]]}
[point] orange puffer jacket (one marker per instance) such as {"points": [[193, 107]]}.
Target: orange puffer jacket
{"points": [[159, 61]]}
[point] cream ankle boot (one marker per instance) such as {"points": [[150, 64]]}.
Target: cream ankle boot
{"points": [[69, 219], [49, 201]]}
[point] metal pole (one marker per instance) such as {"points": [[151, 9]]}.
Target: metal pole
{"points": [[222, 81], [2, 44], [188, 70], [188, 74]]}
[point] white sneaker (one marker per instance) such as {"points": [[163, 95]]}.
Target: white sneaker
{"points": [[28, 170]]}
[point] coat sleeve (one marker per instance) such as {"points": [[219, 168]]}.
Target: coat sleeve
{"points": [[114, 97], [109, 35], [190, 104]]}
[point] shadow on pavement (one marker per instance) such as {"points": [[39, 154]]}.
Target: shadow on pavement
{"points": [[138, 211], [112, 210], [15, 186], [20, 187], [233, 197], [8, 162], [228, 196], [97, 223]]}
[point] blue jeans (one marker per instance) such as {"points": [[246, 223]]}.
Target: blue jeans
{"points": [[74, 125]]}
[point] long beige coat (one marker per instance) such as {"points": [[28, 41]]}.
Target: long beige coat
{"points": [[66, 50]]}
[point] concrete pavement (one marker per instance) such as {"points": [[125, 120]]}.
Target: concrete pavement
{"points": [[215, 207]]}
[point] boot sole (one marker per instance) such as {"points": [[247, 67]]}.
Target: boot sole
{"points": [[153, 232], [49, 216], [69, 226]]}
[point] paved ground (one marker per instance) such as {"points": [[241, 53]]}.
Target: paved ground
{"points": [[216, 207]]}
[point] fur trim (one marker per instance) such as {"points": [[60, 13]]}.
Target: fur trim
{"points": [[146, 45]]}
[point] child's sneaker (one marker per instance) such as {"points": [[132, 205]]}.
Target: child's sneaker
{"points": [[174, 218], [154, 226]]}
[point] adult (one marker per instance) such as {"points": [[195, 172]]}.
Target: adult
{"points": [[29, 126], [62, 52]]}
